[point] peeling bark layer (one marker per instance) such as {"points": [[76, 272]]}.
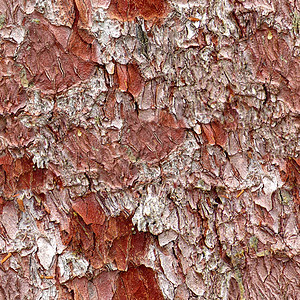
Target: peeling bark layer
{"points": [[149, 149]]}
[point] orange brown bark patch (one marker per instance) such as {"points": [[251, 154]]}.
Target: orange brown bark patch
{"points": [[79, 47], [20, 174], [12, 80], [219, 133], [292, 177], [119, 252], [100, 287], [12, 92], [168, 120], [274, 62], [215, 133], [153, 140], [103, 239], [105, 284], [80, 42], [137, 283], [138, 246], [80, 236], [130, 79], [89, 209], [83, 7], [47, 65], [127, 10], [209, 134]]}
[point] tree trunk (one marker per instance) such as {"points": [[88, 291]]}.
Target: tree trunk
{"points": [[149, 149]]}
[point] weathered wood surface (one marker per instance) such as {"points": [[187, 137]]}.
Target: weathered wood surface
{"points": [[149, 149]]}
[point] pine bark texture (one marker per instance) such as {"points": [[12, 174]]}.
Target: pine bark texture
{"points": [[149, 149]]}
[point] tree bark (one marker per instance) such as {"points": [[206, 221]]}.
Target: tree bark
{"points": [[149, 149]]}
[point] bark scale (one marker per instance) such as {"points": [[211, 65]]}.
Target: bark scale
{"points": [[149, 149]]}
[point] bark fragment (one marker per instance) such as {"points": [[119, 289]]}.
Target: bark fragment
{"points": [[149, 149]]}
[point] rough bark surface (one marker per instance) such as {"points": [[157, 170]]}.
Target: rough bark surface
{"points": [[149, 149]]}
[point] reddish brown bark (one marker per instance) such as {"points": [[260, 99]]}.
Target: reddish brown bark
{"points": [[149, 149]]}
